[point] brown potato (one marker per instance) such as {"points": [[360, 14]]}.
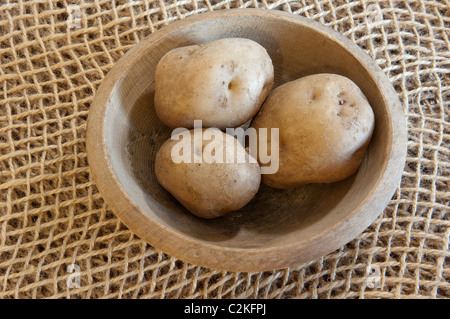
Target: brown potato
{"points": [[325, 124], [214, 186], [223, 83]]}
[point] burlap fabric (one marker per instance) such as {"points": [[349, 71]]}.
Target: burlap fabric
{"points": [[55, 227]]}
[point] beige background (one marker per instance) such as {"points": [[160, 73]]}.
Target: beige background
{"points": [[52, 215]]}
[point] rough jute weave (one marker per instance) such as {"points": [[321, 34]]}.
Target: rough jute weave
{"points": [[55, 227]]}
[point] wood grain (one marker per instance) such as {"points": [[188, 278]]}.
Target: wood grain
{"points": [[279, 228]]}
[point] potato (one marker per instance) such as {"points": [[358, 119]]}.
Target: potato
{"points": [[225, 179], [325, 124], [223, 83]]}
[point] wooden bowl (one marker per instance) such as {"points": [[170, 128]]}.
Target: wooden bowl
{"points": [[279, 228]]}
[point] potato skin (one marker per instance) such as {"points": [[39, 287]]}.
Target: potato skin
{"points": [[223, 83], [208, 190], [325, 124]]}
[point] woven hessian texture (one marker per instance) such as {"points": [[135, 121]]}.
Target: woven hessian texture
{"points": [[54, 57]]}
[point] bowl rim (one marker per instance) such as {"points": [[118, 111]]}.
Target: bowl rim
{"points": [[219, 257]]}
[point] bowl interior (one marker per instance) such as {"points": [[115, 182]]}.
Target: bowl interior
{"points": [[274, 218]]}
